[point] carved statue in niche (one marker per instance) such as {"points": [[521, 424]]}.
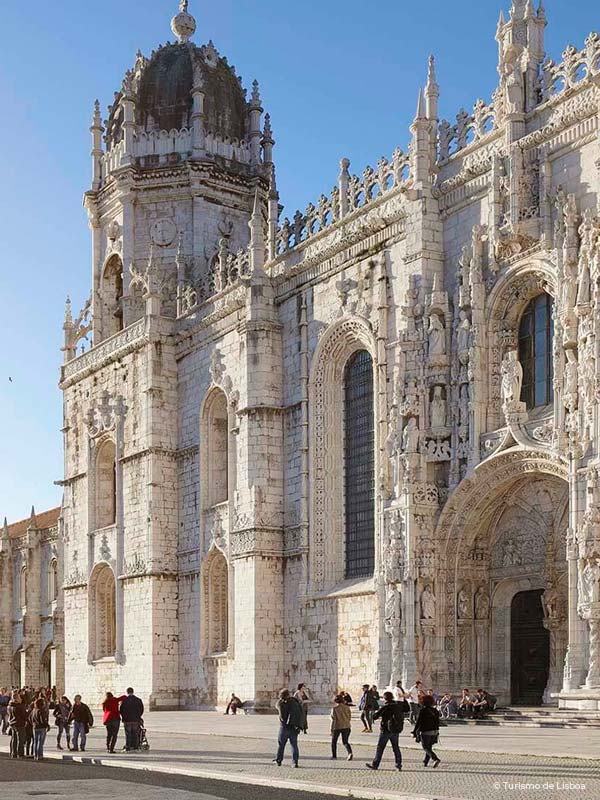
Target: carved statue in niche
{"points": [[482, 604], [462, 605], [464, 338], [427, 603], [410, 436], [393, 445], [410, 401], [511, 71], [590, 581], [551, 605], [587, 233], [570, 384], [463, 405], [511, 556], [512, 378], [437, 408], [437, 336]]}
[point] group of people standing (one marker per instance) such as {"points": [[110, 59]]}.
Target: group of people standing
{"points": [[390, 713], [26, 716]]}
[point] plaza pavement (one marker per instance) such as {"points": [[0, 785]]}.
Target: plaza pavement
{"points": [[507, 763]]}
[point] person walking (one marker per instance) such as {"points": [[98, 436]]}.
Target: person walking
{"points": [[62, 715], [82, 720], [413, 699], [4, 701], [303, 697], [111, 719], [367, 706], [341, 722], [28, 730], [291, 720], [132, 711], [427, 730], [392, 722], [17, 720], [39, 722]]}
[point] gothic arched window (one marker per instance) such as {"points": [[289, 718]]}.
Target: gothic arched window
{"points": [[536, 331], [359, 465], [104, 613], [106, 485], [52, 581], [23, 587], [112, 294], [217, 454], [217, 600]]}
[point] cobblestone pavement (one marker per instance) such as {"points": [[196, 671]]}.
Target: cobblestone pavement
{"points": [[22, 780], [480, 739], [465, 775]]}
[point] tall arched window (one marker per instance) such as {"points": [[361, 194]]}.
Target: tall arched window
{"points": [[112, 294], [23, 587], [106, 485], [536, 330], [52, 581], [217, 452], [104, 613], [216, 599], [359, 465]]}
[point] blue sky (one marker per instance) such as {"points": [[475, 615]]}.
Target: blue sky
{"points": [[339, 77]]}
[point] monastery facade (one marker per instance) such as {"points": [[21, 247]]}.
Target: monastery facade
{"points": [[358, 444]]}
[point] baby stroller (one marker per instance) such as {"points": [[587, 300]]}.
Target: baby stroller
{"points": [[144, 743]]}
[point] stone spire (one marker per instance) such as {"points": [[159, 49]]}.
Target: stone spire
{"points": [[267, 140], [432, 91], [183, 24], [257, 235], [421, 113], [32, 519], [255, 108]]}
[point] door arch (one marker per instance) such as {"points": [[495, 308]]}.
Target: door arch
{"points": [[529, 648]]}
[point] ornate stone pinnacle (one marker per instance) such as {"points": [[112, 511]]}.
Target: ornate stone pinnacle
{"points": [[267, 132], [183, 24]]}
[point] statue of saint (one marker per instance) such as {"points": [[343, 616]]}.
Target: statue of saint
{"points": [[463, 605], [512, 378], [410, 436], [437, 409], [463, 337], [427, 603], [482, 604], [437, 336], [571, 379]]}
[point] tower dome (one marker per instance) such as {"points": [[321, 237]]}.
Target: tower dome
{"points": [[161, 90]]}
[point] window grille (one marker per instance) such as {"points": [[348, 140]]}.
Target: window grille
{"points": [[536, 331], [359, 466]]}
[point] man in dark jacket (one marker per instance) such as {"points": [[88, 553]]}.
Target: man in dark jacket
{"points": [[132, 711], [82, 720], [291, 720], [392, 722], [17, 720]]}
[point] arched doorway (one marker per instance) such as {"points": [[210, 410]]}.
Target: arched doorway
{"points": [[505, 586], [529, 648]]}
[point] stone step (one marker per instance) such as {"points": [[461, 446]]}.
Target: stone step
{"points": [[547, 720]]}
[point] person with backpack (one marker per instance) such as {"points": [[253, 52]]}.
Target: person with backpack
{"points": [[39, 723], [341, 718], [367, 706], [392, 723], [82, 720], [291, 721], [427, 730]]}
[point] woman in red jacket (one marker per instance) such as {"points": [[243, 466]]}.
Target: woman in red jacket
{"points": [[112, 719]]}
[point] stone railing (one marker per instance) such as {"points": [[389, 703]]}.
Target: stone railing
{"points": [[575, 67], [111, 160], [162, 143], [469, 128], [224, 272], [351, 194], [93, 358], [232, 149]]}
